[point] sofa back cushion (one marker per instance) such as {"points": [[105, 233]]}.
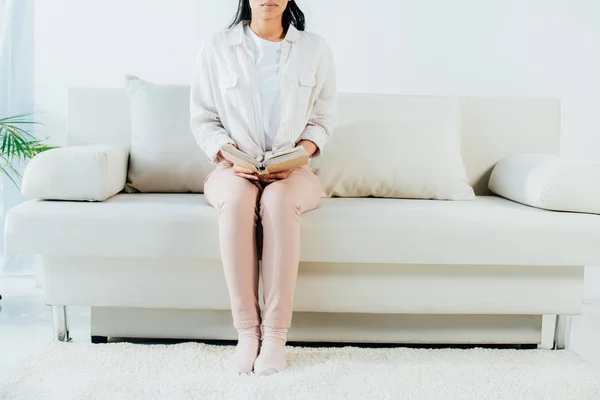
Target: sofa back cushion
{"points": [[492, 128], [164, 155], [411, 149]]}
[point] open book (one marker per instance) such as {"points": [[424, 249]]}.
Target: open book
{"points": [[284, 161]]}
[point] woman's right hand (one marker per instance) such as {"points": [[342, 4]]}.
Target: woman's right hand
{"points": [[220, 157], [245, 173]]}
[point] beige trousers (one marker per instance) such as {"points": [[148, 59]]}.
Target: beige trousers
{"points": [[240, 204]]}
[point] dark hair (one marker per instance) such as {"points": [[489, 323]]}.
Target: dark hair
{"points": [[292, 15]]}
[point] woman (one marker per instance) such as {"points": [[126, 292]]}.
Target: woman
{"points": [[263, 86]]}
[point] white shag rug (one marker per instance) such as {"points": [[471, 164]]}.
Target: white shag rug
{"points": [[193, 371]]}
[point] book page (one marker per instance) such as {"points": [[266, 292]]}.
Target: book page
{"points": [[285, 164], [299, 149], [240, 158], [286, 160]]}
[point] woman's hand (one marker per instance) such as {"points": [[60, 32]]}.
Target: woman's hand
{"points": [[245, 173], [310, 147], [220, 158], [270, 178]]}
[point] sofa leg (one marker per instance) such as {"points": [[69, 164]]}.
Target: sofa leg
{"points": [[61, 324], [561, 332], [99, 339]]}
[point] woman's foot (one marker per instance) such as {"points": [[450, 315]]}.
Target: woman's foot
{"points": [[246, 351], [272, 352]]}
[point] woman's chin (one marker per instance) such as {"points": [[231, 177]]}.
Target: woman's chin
{"points": [[270, 14]]}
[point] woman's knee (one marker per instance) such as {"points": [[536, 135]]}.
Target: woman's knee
{"points": [[277, 199], [234, 195], [239, 202]]}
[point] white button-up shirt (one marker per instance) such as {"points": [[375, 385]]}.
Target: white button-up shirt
{"points": [[225, 94]]}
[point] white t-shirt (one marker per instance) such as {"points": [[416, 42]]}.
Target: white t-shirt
{"points": [[267, 55]]}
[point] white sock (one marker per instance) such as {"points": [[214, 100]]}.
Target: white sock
{"points": [[242, 359], [272, 352]]}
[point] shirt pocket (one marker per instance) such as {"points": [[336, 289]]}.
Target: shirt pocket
{"points": [[305, 93], [306, 81], [229, 88]]}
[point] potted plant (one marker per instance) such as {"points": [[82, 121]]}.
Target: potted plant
{"points": [[18, 144]]}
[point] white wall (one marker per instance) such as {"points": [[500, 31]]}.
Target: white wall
{"points": [[520, 48]]}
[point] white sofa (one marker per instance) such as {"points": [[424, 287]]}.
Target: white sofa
{"points": [[372, 270]]}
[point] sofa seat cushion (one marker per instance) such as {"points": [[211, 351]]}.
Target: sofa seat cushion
{"points": [[126, 225], [488, 230]]}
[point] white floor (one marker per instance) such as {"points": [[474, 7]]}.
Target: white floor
{"points": [[26, 325]]}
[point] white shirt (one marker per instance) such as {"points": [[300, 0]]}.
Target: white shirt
{"points": [[267, 56], [225, 102]]}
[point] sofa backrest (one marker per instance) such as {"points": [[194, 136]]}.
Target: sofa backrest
{"points": [[492, 128]]}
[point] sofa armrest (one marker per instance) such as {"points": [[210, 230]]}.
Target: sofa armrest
{"points": [[78, 173], [549, 182]]}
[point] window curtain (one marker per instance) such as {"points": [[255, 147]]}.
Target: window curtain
{"points": [[16, 57], [16, 93]]}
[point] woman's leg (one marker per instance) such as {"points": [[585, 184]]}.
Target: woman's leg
{"points": [[281, 206], [236, 200]]}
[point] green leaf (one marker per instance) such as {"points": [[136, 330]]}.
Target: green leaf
{"points": [[18, 143], [9, 141], [22, 132], [4, 138], [25, 145], [13, 147]]}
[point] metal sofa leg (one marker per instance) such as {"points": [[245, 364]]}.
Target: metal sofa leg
{"points": [[562, 329], [61, 324]]}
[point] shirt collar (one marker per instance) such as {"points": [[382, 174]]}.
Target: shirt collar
{"points": [[235, 36]]}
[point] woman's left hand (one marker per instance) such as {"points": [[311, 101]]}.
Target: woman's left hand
{"points": [[310, 147], [270, 178]]}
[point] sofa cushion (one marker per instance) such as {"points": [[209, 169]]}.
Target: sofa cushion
{"points": [[164, 154], [408, 150], [77, 173], [550, 182], [488, 230]]}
